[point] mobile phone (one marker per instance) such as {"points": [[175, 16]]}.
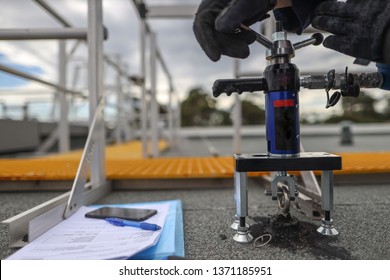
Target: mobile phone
{"points": [[133, 214]]}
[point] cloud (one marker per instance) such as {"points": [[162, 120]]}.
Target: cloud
{"points": [[186, 61], [11, 81]]}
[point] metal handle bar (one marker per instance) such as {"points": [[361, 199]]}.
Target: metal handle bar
{"points": [[363, 80]]}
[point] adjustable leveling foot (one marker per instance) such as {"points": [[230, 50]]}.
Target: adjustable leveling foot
{"points": [[242, 235], [327, 227]]}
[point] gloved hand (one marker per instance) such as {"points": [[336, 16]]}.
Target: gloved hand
{"points": [[216, 22], [360, 27]]}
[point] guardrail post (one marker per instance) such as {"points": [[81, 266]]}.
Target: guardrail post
{"points": [[63, 137], [95, 85], [154, 122]]}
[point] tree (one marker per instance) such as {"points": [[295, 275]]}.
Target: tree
{"points": [[200, 109], [251, 113], [360, 109]]}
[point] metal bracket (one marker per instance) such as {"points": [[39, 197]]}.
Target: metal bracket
{"points": [[30, 224], [27, 226], [283, 178], [80, 183]]}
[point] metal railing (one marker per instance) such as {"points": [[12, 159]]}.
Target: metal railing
{"points": [[155, 56], [93, 158]]}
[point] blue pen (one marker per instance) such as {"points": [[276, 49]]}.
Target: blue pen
{"points": [[125, 223]]}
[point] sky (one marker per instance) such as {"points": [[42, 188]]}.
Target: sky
{"points": [[187, 63]]}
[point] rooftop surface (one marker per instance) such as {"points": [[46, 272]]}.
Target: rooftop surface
{"points": [[361, 210], [361, 216]]}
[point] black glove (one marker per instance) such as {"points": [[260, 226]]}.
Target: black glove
{"points": [[216, 22], [360, 27]]}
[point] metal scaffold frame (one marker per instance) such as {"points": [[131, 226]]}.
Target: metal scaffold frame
{"points": [[145, 12], [30, 224], [27, 226]]}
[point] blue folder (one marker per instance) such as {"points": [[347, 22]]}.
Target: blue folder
{"points": [[171, 241]]}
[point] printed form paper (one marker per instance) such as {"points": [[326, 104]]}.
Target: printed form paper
{"points": [[78, 238]]}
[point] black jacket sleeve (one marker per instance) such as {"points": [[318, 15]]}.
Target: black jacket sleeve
{"points": [[298, 17]]}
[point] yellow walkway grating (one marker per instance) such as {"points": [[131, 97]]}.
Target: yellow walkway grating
{"points": [[365, 163], [124, 162], [64, 166], [171, 168]]}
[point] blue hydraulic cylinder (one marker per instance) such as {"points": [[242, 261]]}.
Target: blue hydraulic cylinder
{"points": [[282, 123]]}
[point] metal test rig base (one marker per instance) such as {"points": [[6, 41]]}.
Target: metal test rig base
{"points": [[263, 162]]}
